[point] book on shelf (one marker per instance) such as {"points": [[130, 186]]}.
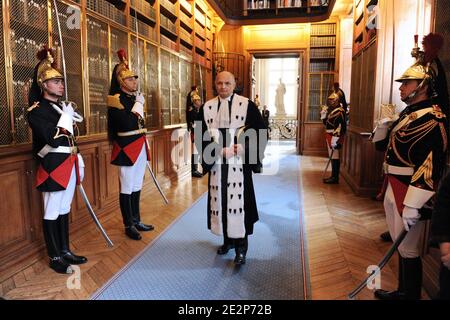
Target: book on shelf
{"points": [[258, 4], [289, 3]]}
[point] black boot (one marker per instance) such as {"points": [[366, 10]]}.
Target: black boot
{"points": [[194, 171], [334, 179], [241, 250], [135, 205], [127, 216], [386, 236], [413, 278], [227, 245], [398, 294], [51, 237], [66, 254]]}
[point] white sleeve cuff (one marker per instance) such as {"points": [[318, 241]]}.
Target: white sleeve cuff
{"points": [[80, 161], [66, 122], [138, 108], [380, 133], [334, 140], [416, 197]]}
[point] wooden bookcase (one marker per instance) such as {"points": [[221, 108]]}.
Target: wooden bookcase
{"points": [[365, 21], [322, 67]]}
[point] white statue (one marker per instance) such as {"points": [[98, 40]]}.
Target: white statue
{"points": [[279, 99]]}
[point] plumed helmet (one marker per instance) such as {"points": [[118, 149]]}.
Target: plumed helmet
{"points": [[333, 100], [195, 97], [120, 73], [425, 69], [44, 70]]}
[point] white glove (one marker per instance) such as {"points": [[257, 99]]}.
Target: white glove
{"points": [[66, 119], [323, 113], [138, 107], [80, 166], [140, 98], [410, 217], [334, 141]]}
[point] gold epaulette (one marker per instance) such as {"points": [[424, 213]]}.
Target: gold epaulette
{"points": [[437, 112], [34, 105], [114, 101]]}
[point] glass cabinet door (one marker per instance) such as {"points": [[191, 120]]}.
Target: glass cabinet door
{"points": [[99, 75], [185, 85], [175, 88], [119, 40], [5, 128], [152, 85], [165, 87], [28, 33]]}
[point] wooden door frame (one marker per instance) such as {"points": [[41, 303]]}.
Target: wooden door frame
{"points": [[301, 94]]}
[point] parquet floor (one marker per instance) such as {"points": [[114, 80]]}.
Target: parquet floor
{"points": [[342, 234]]}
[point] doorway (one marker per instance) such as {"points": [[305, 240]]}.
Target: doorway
{"points": [[278, 80]]}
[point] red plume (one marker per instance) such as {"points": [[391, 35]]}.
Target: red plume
{"points": [[432, 43], [122, 55]]}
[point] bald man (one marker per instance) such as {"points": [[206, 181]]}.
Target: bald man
{"points": [[231, 139]]}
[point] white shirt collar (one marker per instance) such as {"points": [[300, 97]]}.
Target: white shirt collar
{"points": [[226, 99]]}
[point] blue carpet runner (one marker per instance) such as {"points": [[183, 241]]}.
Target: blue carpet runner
{"points": [[182, 263]]}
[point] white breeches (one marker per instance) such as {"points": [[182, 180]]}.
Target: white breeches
{"points": [[410, 246], [132, 177], [58, 203]]}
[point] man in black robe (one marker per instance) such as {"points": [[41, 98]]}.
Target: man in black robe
{"points": [[231, 139]]}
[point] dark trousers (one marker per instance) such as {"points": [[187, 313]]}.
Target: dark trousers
{"points": [[444, 283]]}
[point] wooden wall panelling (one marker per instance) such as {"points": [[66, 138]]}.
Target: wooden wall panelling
{"points": [[109, 185], [160, 152], [35, 200], [314, 140], [16, 235]]}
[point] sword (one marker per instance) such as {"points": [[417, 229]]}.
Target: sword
{"points": [[156, 183], [94, 217], [380, 265], [328, 163]]}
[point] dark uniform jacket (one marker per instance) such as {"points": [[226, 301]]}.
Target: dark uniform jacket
{"points": [[191, 116], [266, 115], [336, 124], [54, 169], [420, 144], [126, 149], [342, 99]]}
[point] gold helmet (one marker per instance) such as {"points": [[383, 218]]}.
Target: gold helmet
{"points": [[415, 72], [426, 68], [46, 69], [333, 100], [122, 71], [195, 97]]}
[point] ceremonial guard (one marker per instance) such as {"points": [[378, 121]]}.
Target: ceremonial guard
{"points": [[415, 145], [230, 161], [130, 148], [191, 117], [60, 165], [335, 121]]}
